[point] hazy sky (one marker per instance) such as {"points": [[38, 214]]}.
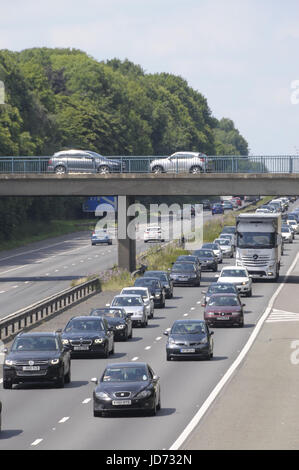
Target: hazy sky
{"points": [[241, 54]]}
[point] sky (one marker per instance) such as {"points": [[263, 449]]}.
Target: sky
{"points": [[240, 54]]}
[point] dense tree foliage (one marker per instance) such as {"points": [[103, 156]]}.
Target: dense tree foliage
{"points": [[63, 98]]}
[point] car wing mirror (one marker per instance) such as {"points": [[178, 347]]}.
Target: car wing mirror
{"points": [[5, 350], [94, 380], [166, 333], [155, 378], [211, 333]]}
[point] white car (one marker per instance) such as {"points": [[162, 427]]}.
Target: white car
{"points": [[134, 306], [225, 246], [239, 277], [153, 233], [229, 236], [294, 224], [287, 234], [145, 294]]}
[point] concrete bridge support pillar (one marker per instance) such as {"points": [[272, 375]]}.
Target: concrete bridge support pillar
{"points": [[126, 246]]}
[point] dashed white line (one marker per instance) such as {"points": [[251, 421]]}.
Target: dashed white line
{"points": [[186, 314], [36, 442], [147, 348], [63, 420], [158, 338], [2, 291], [87, 400], [135, 358], [192, 308], [14, 287], [1, 380]]}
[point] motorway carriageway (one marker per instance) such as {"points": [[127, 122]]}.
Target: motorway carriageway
{"points": [[29, 275], [48, 418]]}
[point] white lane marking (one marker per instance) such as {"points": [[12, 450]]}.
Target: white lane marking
{"points": [[192, 308], [13, 269], [63, 420], [147, 348], [2, 291], [81, 260], [198, 302], [186, 314], [87, 400], [36, 442], [158, 338], [14, 287], [56, 270], [200, 413], [1, 380], [27, 282], [73, 264], [281, 315], [135, 358]]}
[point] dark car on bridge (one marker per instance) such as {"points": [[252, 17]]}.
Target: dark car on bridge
{"points": [[224, 309], [127, 386], [83, 161], [189, 338], [208, 261], [86, 335], [155, 287], [165, 280], [185, 273], [117, 319], [37, 357]]}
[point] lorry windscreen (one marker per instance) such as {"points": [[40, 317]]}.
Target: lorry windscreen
{"points": [[256, 240]]}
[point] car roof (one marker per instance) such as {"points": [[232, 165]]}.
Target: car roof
{"points": [[230, 294], [126, 364], [82, 317], [37, 333], [127, 295], [189, 320]]}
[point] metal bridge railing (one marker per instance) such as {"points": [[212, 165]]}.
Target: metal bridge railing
{"points": [[149, 164]]}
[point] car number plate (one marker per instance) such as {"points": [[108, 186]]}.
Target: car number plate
{"points": [[223, 318], [81, 348], [31, 368], [187, 350], [121, 402]]}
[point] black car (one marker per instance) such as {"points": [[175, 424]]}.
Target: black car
{"points": [[37, 357], [207, 206], [189, 338], [117, 319], [155, 287], [89, 336], [185, 273], [218, 288], [207, 260], [127, 386], [164, 277]]}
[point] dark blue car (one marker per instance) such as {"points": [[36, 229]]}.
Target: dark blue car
{"points": [[217, 209]]}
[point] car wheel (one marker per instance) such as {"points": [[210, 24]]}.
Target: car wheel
{"points": [[215, 269], [159, 402], [153, 411], [249, 294], [60, 170], [241, 324], [131, 334], [97, 414], [7, 385], [195, 170], [106, 351], [67, 378], [168, 357], [103, 170], [157, 170], [60, 381], [112, 350]]}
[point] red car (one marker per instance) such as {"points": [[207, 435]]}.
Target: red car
{"points": [[238, 200], [224, 309]]}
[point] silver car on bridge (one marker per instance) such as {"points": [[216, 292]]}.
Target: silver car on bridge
{"points": [[182, 162]]}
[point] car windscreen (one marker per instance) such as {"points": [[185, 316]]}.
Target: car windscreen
{"points": [[184, 328], [93, 324], [125, 374], [225, 301], [147, 282], [141, 292], [204, 254], [117, 312], [233, 273], [221, 288], [229, 229], [157, 274], [127, 301], [222, 241], [183, 267], [35, 343]]}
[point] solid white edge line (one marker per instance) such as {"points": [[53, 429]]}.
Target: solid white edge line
{"points": [[63, 420], [198, 416], [36, 442]]}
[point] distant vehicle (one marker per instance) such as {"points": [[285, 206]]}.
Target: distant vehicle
{"points": [[223, 309], [164, 278], [287, 234], [207, 259], [189, 258], [238, 200], [217, 209], [117, 319], [216, 250], [231, 237], [259, 244], [185, 273], [127, 386], [218, 288], [181, 162], [206, 205], [134, 306], [88, 335], [293, 223], [154, 233], [0, 415], [37, 357], [189, 338], [83, 161], [155, 287], [227, 206], [230, 229], [293, 216], [148, 299], [226, 247], [100, 237], [237, 276]]}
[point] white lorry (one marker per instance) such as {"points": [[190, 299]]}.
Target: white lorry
{"points": [[259, 244]]}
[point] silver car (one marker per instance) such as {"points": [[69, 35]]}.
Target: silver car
{"points": [[148, 299], [225, 246], [134, 306], [181, 162], [83, 161]]}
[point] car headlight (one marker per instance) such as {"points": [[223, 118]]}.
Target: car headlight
{"points": [[102, 395], [54, 361], [98, 340], [9, 362], [171, 341], [203, 341], [120, 327], [157, 295], [144, 394], [65, 341]]}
